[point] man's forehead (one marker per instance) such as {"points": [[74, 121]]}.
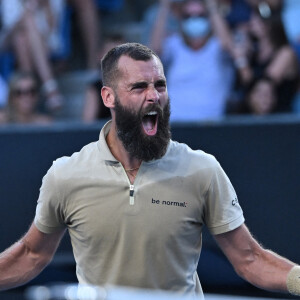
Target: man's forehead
{"points": [[133, 68]]}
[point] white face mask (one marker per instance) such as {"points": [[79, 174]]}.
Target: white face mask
{"points": [[196, 27]]}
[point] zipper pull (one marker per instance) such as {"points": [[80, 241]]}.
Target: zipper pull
{"points": [[131, 192]]}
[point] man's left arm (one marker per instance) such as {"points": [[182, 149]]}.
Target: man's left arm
{"points": [[262, 268]]}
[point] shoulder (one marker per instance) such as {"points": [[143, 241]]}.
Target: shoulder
{"points": [[77, 162], [196, 166], [184, 154], [286, 50], [284, 64]]}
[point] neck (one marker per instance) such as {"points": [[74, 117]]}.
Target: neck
{"points": [[197, 43], [117, 149]]}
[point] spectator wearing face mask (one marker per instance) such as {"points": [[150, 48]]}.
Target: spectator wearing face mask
{"points": [[199, 70]]}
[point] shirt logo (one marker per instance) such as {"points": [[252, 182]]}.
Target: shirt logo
{"points": [[169, 203]]}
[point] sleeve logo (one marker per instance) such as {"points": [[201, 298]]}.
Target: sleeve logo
{"points": [[235, 201]]}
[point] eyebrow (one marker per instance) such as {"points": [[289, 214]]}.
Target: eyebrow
{"points": [[140, 84], [144, 84]]}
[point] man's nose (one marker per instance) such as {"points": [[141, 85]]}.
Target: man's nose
{"points": [[152, 95]]}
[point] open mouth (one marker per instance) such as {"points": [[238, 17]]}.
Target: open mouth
{"points": [[149, 122]]}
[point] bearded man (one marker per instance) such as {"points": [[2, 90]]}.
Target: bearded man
{"points": [[135, 201]]}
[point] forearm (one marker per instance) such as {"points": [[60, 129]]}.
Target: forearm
{"points": [[220, 26], [159, 28], [18, 265], [266, 270], [261, 267]]}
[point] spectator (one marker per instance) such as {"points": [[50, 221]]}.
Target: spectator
{"points": [[269, 53], [272, 56], [23, 100], [30, 28], [260, 99], [199, 70]]}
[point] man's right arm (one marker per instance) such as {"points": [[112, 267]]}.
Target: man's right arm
{"points": [[28, 257]]}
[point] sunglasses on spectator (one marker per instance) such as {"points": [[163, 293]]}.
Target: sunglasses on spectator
{"points": [[28, 92]]}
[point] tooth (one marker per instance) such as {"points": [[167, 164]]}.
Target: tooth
{"points": [[151, 113]]}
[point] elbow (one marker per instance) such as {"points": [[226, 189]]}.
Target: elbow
{"points": [[252, 269], [37, 260], [40, 261], [244, 270], [246, 267]]}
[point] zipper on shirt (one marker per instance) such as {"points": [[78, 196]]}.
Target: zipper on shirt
{"points": [[131, 194]]}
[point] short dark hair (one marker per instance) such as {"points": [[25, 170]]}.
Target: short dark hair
{"points": [[109, 63]]}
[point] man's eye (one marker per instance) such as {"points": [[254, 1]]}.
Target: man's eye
{"points": [[160, 86]]}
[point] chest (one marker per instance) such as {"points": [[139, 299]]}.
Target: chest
{"points": [[102, 210]]}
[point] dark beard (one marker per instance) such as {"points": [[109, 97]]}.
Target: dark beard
{"points": [[135, 141]]}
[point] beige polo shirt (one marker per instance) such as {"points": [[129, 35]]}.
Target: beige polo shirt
{"points": [[146, 235]]}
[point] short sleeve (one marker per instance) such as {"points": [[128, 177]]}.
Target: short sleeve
{"points": [[49, 210], [223, 212]]}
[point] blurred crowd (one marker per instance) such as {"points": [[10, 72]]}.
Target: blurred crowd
{"points": [[221, 57]]}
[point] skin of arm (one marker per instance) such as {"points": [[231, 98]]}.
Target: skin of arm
{"points": [[262, 268], [220, 26], [91, 105], [223, 32], [159, 30], [25, 259], [283, 65]]}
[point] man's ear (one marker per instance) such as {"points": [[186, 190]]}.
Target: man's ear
{"points": [[108, 96]]}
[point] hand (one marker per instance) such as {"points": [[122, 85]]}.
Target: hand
{"points": [[242, 44]]}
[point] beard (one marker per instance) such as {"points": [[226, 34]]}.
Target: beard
{"points": [[131, 133]]}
